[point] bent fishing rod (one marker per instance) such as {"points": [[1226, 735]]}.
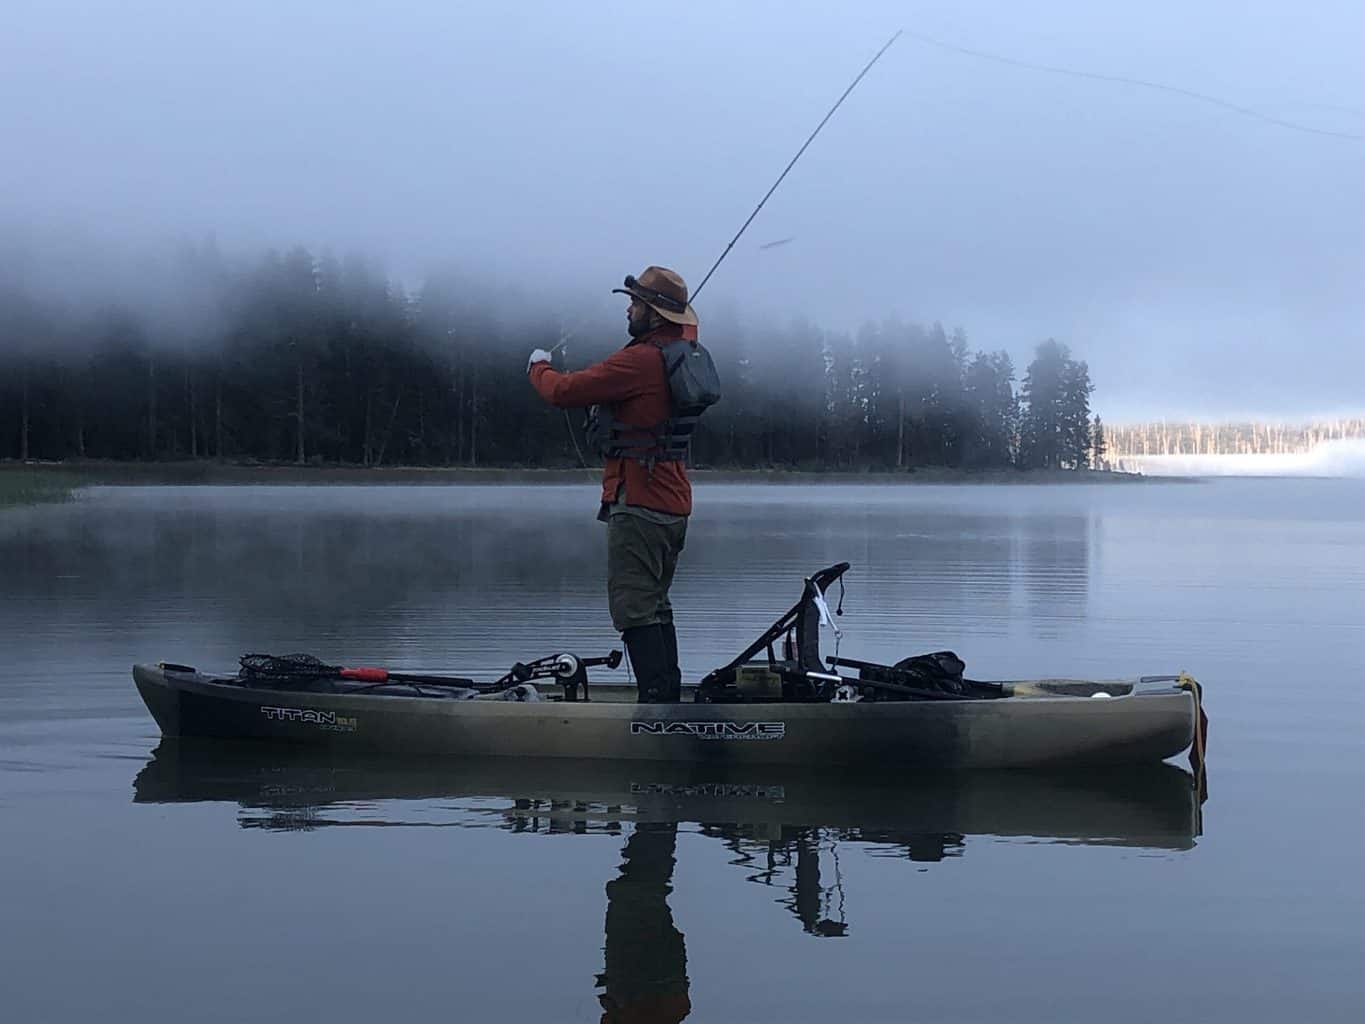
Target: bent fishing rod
{"points": [[564, 339], [767, 195], [823, 121]]}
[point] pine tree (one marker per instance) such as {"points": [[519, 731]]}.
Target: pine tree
{"points": [[1074, 415], [1041, 427], [1098, 447], [993, 409]]}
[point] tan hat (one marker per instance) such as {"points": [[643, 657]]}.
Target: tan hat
{"points": [[662, 291]]}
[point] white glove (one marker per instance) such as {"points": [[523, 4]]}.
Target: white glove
{"points": [[538, 356]]}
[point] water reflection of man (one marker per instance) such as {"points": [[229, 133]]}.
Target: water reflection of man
{"points": [[646, 959]]}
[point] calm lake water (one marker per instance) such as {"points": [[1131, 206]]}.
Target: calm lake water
{"points": [[159, 882]]}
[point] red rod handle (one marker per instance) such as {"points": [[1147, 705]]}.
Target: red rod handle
{"points": [[367, 675]]}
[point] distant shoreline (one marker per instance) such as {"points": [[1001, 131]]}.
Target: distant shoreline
{"points": [[206, 472]]}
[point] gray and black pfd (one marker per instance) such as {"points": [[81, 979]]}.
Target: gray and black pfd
{"points": [[693, 387]]}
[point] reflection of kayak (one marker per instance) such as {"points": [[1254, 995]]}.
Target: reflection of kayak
{"points": [[1148, 806], [758, 709]]}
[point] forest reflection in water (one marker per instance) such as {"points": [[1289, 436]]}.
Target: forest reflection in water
{"points": [[410, 576], [783, 829]]}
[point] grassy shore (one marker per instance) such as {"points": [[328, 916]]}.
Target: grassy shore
{"points": [[29, 480], [33, 485]]}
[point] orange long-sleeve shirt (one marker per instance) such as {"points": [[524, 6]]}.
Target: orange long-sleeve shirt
{"points": [[632, 382]]}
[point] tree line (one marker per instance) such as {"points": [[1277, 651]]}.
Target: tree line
{"points": [[305, 360], [1236, 438]]}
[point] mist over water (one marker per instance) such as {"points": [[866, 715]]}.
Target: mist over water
{"points": [[1335, 458], [344, 886], [1203, 262]]}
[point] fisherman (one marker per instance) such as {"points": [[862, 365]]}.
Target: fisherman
{"points": [[646, 499]]}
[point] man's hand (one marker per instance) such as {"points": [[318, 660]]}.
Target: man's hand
{"points": [[538, 356]]}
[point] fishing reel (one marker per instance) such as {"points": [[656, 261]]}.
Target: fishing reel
{"points": [[569, 669]]}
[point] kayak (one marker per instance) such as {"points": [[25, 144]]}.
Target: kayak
{"points": [[761, 708], [1140, 721]]}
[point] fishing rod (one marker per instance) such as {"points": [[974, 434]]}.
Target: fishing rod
{"points": [[767, 195], [837, 104], [564, 338]]}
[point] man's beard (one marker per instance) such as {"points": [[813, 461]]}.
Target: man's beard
{"points": [[641, 325]]}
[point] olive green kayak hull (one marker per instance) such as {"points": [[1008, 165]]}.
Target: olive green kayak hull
{"points": [[1059, 722]]}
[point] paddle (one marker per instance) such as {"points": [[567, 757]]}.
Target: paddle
{"points": [[294, 666]]}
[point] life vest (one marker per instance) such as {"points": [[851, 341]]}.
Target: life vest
{"points": [[693, 387]]}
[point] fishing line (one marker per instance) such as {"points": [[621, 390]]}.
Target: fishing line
{"points": [[568, 423], [1142, 82]]}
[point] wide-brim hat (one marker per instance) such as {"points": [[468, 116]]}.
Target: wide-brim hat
{"points": [[663, 291]]}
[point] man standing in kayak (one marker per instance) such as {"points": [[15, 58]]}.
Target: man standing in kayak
{"points": [[645, 499]]}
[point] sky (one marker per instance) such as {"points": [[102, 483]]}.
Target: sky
{"points": [[1205, 263]]}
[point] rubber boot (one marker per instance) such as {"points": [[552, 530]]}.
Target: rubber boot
{"points": [[673, 694], [649, 658]]}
